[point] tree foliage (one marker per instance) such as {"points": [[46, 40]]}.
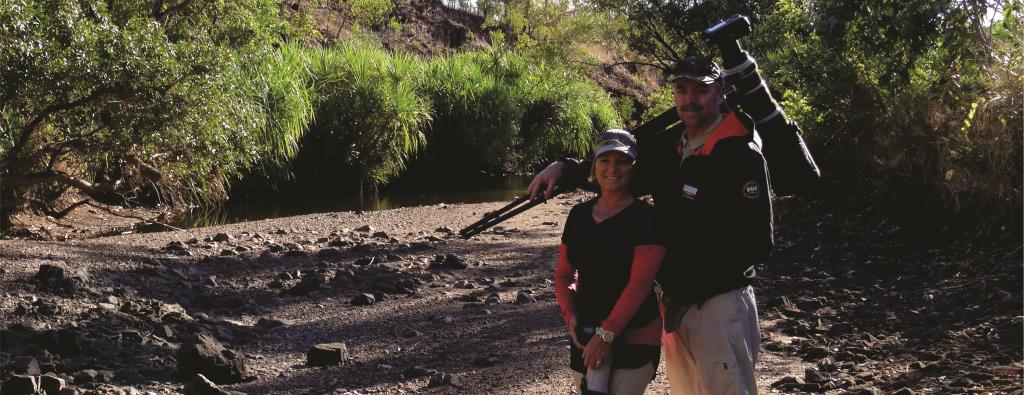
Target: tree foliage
{"points": [[116, 98]]}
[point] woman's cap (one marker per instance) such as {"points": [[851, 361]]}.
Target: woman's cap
{"points": [[615, 140]]}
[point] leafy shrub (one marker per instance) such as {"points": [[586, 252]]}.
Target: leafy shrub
{"points": [[369, 116]]}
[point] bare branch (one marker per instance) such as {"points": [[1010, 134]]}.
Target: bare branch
{"points": [[30, 128]]}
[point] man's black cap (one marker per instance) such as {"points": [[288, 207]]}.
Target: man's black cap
{"points": [[696, 68]]}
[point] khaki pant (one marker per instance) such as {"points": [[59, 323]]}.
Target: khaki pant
{"points": [[624, 381], [715, 346]]}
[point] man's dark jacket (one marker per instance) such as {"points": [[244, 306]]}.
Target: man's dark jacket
{"points": [[713, 209]]}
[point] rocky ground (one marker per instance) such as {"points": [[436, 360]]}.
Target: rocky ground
{"points": [[394, 302]]}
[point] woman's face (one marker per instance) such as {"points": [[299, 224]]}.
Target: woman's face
{"points": [[612, 171]]}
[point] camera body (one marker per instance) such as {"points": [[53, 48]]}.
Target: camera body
{"points": [[790, 164]]}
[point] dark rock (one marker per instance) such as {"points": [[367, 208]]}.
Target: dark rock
{"points": [[380, 235], [788, 382], [310, 282], [525, 298], [446, 230], [268, 323], [205, 355], [440, 378], [368, 260], [165, 332], [864, 389], [105, 376], [51, 383], [484, 362], [464, 284], [228, 252], [814, 353], [449, 261], [56, 279], [327, 354], [364, 228], [26, 365], [222, 237], [814, 376], [409, 332], [19, 384], [364, 300], [275, 248], [86, 376], [444, 319], [200, 385]]}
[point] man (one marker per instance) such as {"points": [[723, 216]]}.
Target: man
{"points": [[710, 189]]}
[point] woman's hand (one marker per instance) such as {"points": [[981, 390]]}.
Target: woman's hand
{"points": [[595, 352], [572, 333]]}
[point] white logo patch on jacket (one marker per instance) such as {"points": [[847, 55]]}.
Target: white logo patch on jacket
{"points": [[751, 190], [689, 191]]}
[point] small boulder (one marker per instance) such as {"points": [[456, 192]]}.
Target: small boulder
{"points": [[204, 355], [19, 384], [51, 383], [364, 300], [525, 298], [222, 237], [440, 378], [200, 385], [325, 354], [26, 365]]}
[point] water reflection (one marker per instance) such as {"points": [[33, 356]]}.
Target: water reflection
{"points": [[289, 204]]}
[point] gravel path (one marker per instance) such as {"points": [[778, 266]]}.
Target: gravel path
{"points": [[270, 290]]}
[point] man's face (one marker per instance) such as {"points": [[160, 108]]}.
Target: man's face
{"points": [[697, 104]]}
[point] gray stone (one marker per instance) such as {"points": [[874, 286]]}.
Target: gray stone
{"points": [[57, 279], [200, 385], [814, 376], [309, 283], [788, 382], [449, 261], [85, 376], [205, 355], [440, 378], [409, 332], [525, 298], [364, 300], [21, 384], [484, 362], [51, 383], [26, 365], [325, 354]]}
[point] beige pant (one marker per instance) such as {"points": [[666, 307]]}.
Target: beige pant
{"points": [[624, 381], [715, 346]]}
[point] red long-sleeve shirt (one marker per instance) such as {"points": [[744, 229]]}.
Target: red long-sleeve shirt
{"points": [[646, 261]]}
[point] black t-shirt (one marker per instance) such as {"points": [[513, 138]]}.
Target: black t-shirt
{"points": [[602, 254]]}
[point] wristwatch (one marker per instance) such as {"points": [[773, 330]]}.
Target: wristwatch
{"points": [[606, 335]]}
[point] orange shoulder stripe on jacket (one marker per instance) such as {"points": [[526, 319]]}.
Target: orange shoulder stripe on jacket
{"points": [[730, 127]]}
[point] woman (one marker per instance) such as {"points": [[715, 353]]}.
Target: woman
{"points": [[609, 248]]}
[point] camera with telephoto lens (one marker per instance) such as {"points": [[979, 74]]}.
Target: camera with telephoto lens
{"points": [[790, 164]]}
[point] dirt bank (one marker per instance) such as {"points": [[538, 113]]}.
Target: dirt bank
{"points": [[850, 303]]}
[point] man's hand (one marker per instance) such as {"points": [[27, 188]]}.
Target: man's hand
{"points": [[545, 181], [595, 352]]}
